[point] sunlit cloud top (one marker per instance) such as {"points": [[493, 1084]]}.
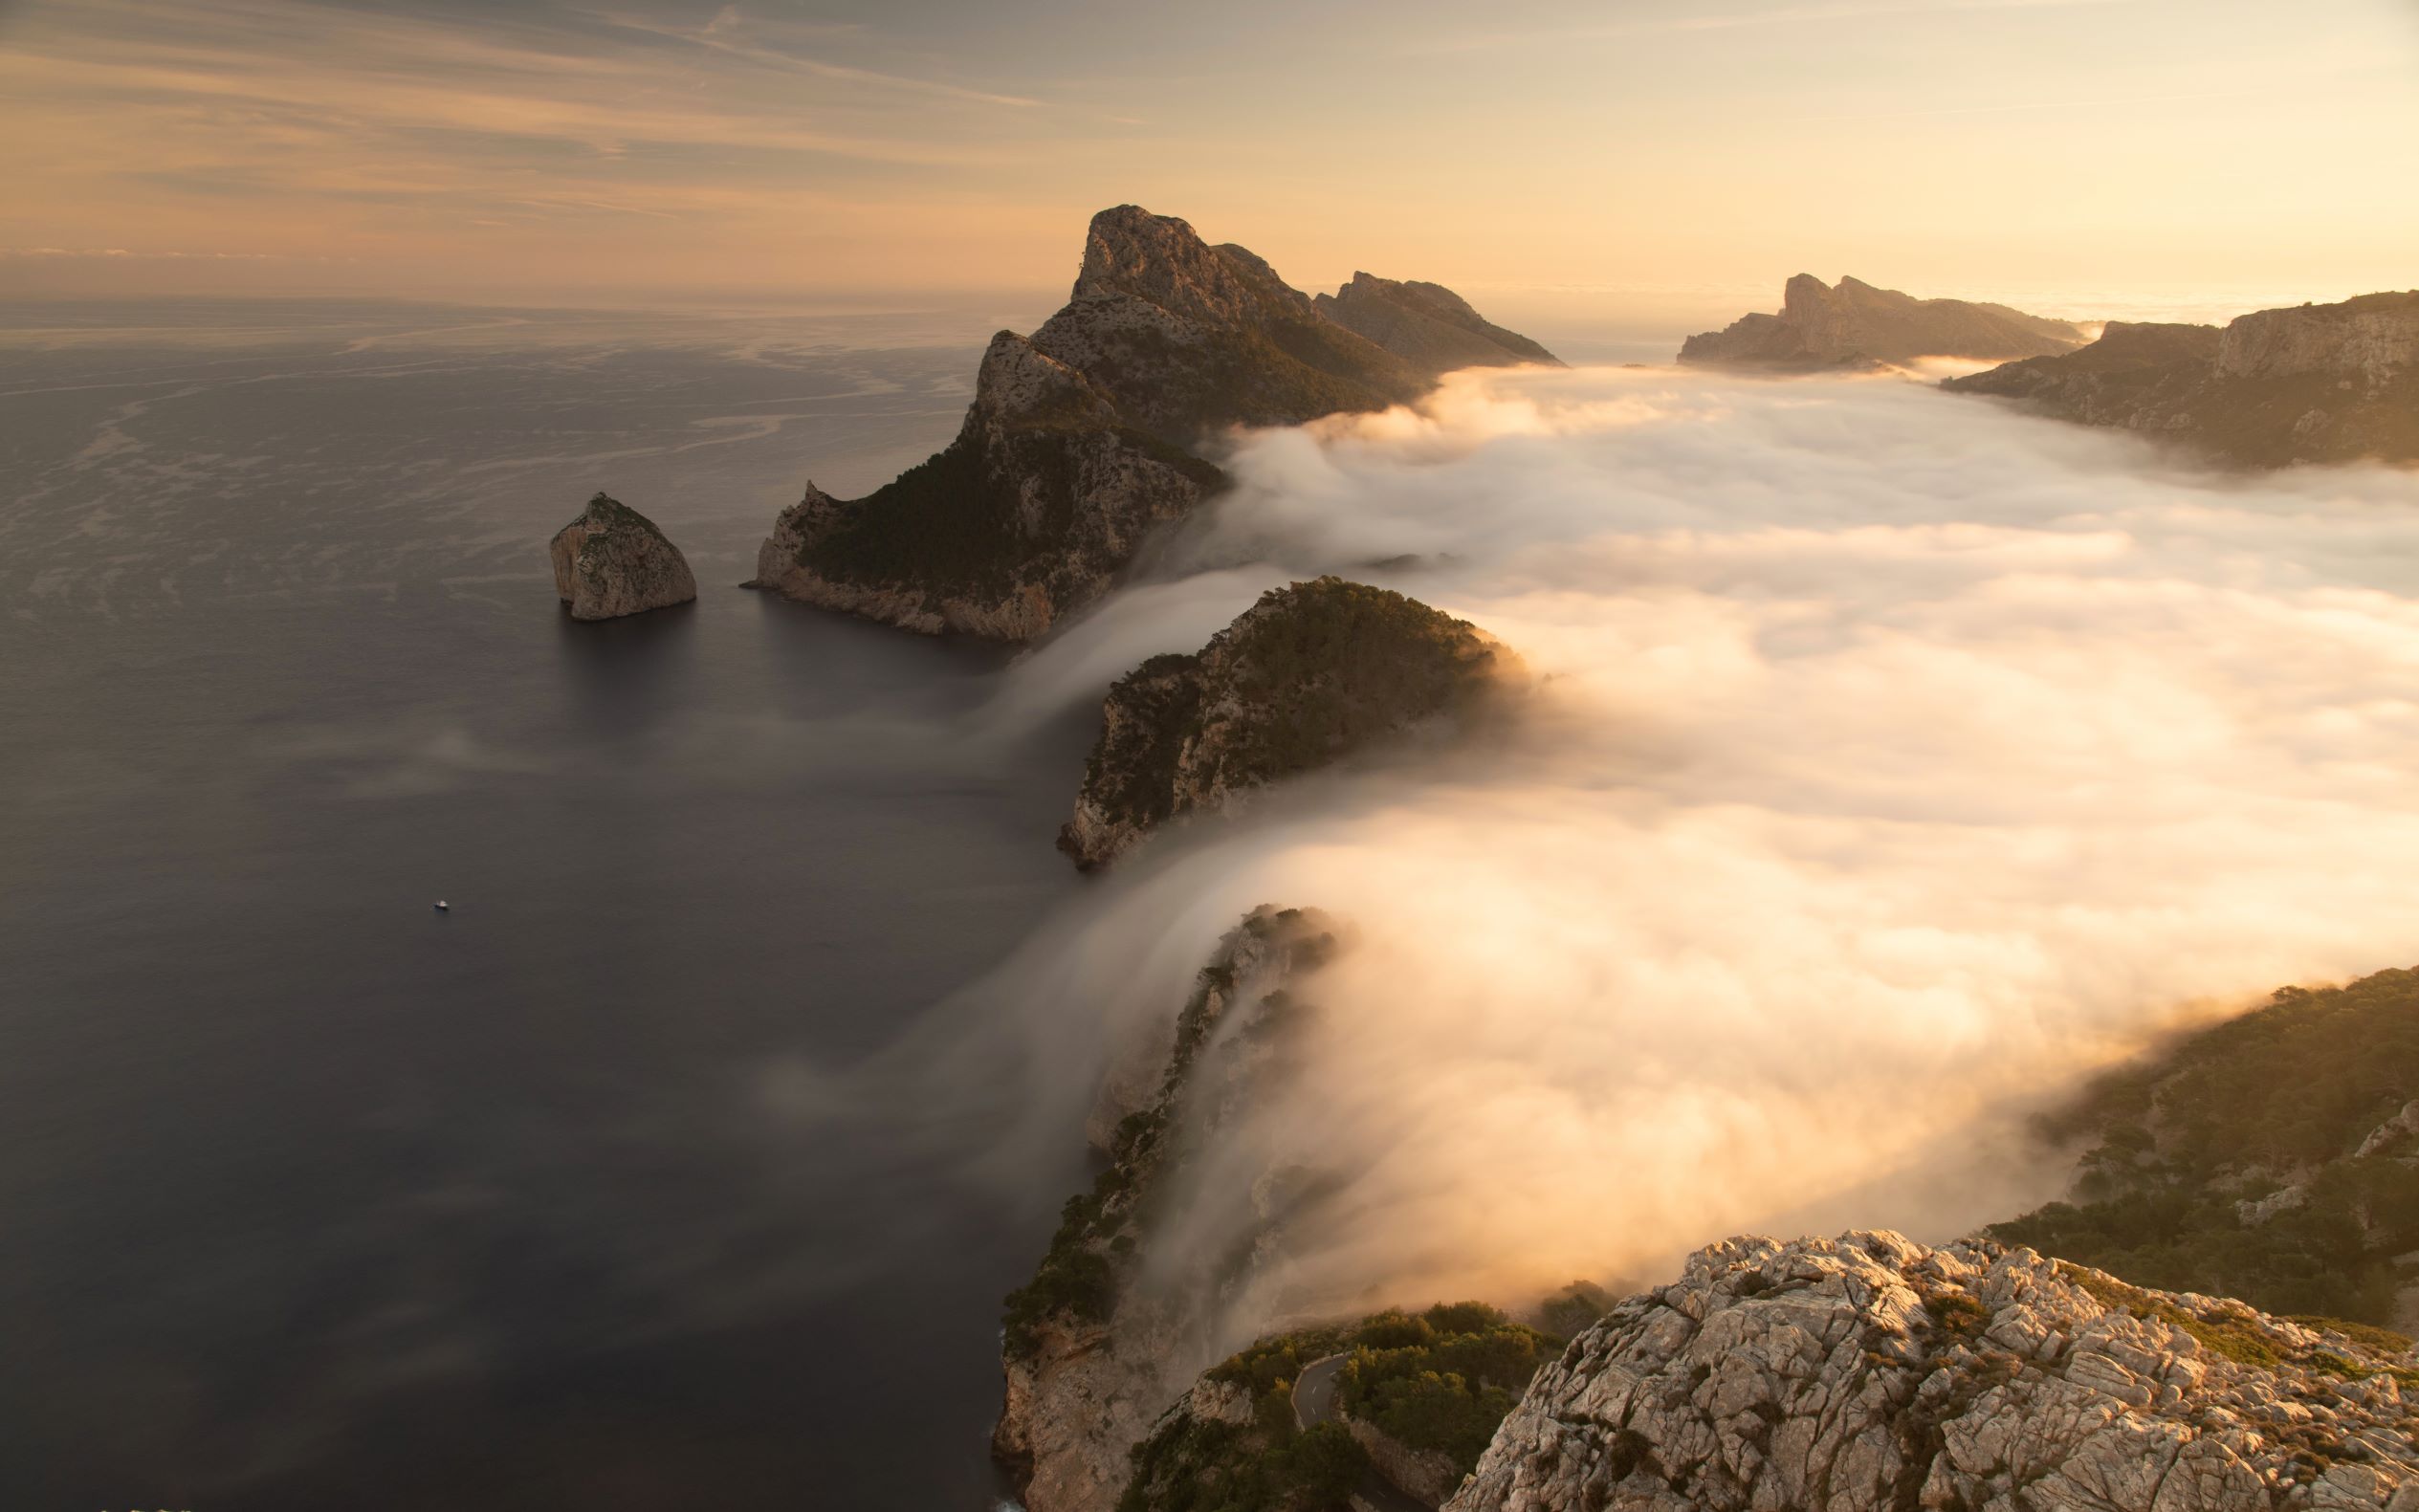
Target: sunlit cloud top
{"points": [[419, 146]]}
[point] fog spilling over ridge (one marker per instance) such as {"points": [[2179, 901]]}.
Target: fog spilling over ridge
{"points": [[1898, 761]]}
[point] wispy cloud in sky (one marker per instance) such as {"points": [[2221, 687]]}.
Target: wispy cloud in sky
{"points": [[521, 147]]}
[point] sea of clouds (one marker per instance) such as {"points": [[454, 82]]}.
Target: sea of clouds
{"points": [[1897, 761]]}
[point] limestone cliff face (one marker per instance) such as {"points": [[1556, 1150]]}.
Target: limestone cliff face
{"points": [[1427, 325], [1854, 324], [1044, 495], [1084, 438], [1119, 1318], [614, 562], [2312, 384], [1872, 1374], [1312, 674]]}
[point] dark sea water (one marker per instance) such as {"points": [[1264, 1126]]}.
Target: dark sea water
{"points": [[314, 1198]]}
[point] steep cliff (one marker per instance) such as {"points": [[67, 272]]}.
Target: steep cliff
{"points": [[1854, 324], [2312, 384], [1119, 1316], [1427, 325], [1872, 1374], [614, 562], [1083, 438], [2273, 1157], [1311, 674]]}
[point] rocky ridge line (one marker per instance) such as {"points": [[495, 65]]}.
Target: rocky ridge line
{"points": [[1856, 325], [1315, 674], [2310, 384], [1086, 437], [1113, 1326]]}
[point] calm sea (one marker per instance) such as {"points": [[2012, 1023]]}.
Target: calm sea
{"points": [[311, 1197]]}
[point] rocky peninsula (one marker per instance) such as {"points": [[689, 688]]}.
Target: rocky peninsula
{"points": [[1315, 674], [1093, 432], [1854, 325], [614, 562], [2334, 383]]}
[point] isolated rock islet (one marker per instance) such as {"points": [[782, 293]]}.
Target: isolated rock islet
{"points": [[613, 561]]}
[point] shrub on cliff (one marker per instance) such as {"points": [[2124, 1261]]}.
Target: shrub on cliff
{"points": [[1442, 1379]]}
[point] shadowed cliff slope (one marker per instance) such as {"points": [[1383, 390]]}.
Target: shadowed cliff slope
{"points": [[1087, 435], [2334, 383], [1312, 674], [1857, 325]]}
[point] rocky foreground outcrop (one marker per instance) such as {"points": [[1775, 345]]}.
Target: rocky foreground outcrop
{"points": [[1312, 674], [1854, 325], [1427, 325], [1087, 435], [2333, 383], [614, 562], [1872, 1374], [1119, 1318]]}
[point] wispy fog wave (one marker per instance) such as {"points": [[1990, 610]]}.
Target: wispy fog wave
{"points": [[1900, 761]]}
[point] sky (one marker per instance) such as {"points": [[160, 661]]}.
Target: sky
{"points": [[596, 150]]}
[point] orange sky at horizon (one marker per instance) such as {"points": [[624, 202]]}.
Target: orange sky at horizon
{"points": [[2142, 153]]}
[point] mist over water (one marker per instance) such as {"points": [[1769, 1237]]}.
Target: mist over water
{"points": [[1898, 761]]}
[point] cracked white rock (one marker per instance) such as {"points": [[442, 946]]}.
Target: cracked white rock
{"points": [[1869, 1374]]}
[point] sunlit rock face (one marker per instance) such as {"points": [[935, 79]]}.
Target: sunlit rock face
{"points": [[1125, 1308], [1427, 325], [1869, 1374], [614, 562], [1312, 674], [1854, 324], [1088, 435], [2333, 383]]}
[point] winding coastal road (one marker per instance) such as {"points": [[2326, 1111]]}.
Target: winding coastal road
{"points": [[1314, 1402]]}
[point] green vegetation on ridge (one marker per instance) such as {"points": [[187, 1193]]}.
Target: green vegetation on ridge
{"points": [[2280, 1098]]}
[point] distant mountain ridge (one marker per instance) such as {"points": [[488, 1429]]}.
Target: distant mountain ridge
{"points": [[1427, 325], [2328, 382], [1087, 435], [1855, 324]]}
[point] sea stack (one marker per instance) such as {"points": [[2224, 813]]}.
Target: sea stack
{"points": [[614, 562]]}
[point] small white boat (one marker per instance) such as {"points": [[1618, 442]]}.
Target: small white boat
{"points": [[441, 906]]}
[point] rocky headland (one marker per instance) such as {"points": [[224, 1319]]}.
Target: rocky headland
{"points": [[1312, 674], [1427, 325], [1116, 1321], [614, 562], [1854, 325], [1090, 434], [2334, 383], [1869, 1374]]}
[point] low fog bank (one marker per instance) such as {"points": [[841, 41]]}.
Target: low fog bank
{"points": [[1900, 761]]}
